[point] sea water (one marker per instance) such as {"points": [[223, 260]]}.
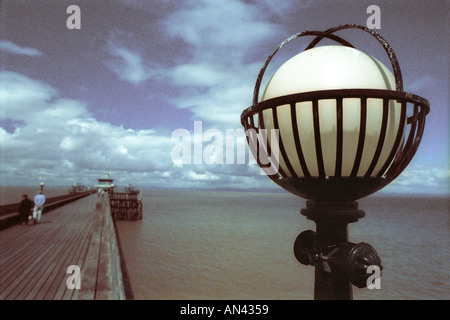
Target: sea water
{"points": [[238, 245]]}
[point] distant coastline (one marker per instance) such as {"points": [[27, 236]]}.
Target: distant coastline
{"points": [[380, 193]]}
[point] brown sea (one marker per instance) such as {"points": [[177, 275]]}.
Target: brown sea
{"points": [[238, 245]]}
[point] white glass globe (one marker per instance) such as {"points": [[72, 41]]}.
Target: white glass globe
{"points": [[328, 68]]}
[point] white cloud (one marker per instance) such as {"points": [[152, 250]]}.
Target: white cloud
{"points": [[208, 176], [221, 36], [219, 24], [128, 65], [215, 81], [12, 48], [22, 97], [59, 140], [432, 179], [211, 78], [201, 75], [281, 8]]}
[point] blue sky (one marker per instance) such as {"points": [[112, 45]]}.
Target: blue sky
{"points": [[107, 97]]}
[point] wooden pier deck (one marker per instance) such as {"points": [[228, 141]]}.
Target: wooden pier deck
{"points": [[34, 258]]}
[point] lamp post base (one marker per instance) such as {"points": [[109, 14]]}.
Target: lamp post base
{"points": [[338, 262], [329, 287]]}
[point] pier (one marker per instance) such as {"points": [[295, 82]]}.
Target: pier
{"points": [[34, 259]]}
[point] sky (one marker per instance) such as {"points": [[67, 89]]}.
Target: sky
{"points": [[108, 97]]}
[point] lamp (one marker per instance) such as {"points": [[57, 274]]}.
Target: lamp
{"points": [[42, 186], [346, 129]]}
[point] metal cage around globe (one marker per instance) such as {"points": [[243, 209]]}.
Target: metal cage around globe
{"points": [[346, 128]]}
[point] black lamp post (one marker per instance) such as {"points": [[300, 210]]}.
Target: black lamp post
{"points": [[42, 187], [338, 142]]}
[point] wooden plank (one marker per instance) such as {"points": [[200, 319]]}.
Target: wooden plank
{"points": [[76, 227], [33, 257], [73, 259], [44, 259], [104, 289], [36, 243], [89, 274], [90, 268], [35, 285], [59, 271], [22, 270], [23, 275], [13, 242], [72, 294]]}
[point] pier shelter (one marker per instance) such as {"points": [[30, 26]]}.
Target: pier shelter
{"points": [[105, 182]]}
